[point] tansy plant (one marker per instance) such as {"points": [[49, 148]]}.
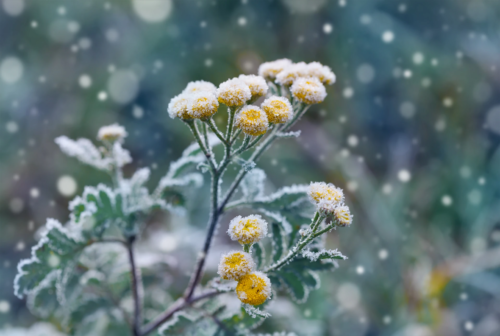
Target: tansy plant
{"points": [[84, 276]]}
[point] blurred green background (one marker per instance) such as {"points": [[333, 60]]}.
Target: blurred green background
{"points": [[410, 131]]}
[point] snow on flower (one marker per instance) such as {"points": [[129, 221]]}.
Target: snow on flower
{"points": [[247, 230]]}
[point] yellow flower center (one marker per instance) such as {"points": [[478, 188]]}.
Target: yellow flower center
{"points": [[251, 289]]}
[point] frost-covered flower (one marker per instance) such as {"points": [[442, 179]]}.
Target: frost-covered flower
{"points": [[252, 120], [247, 230], [320, 191], [291, 73], [112, 133], [202, 104], [257, 84], [321, 72], [308, 90], [278, 109], [177, 108], [343, 215], [233, 92], [199, 86], [234, 265], [269, 70], [254, 288]]}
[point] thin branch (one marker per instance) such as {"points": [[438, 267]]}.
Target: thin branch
{"points": [[135, 289], [177, 306], [211, 123], [196, 133]]}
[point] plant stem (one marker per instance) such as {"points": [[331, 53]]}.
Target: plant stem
{"points": [[135, 288], [179, 305], [207, 152], [211, 123]]}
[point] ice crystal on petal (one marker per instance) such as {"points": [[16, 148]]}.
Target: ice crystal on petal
{"points": [[257, 84], [291, 73], [254, 288], [199, 86], [112, 133], [202, 104], [178, 107]]}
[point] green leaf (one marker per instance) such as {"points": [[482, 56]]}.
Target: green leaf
{"points": [[278, 242], [189, 324], [259, 254], [297, 290], [252, 185], [56, 248]]}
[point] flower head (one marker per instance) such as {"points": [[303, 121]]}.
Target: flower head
{"points": [[321, 72], [269, 70], [343, 215], [234, 265], [257, 84], [202, 104], [112, 133], [308, 90], [320, 191], [254, 288], [233, 92], [178, 107], [291, 73], [247, 230], [199, 86], [278, 109], [252, 120]]}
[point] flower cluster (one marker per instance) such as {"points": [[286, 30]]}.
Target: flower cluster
{"points": [[329, 201], [305, 80], [253, 287], [112, 133], [198, 100]]}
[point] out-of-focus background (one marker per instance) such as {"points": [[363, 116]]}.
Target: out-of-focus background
{"points": [[410, 131]]}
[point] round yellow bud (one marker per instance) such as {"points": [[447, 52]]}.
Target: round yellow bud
{"points": [[343, 215], [278, 109], [177, 108], [233, 92], [269, 70], [202, 105], [234, 265], [254, 288], [308, 90], [112, 133], [247, 230], [257, 85], [252, 120]]}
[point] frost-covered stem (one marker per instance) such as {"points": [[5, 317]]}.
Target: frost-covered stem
{"points": [[196, 134], [303, 242], [211, 123], [243, 147], [212, 224], [135, 289], [179, 305], [236, 134], [254, 157], [247, 248], [229, 132]]}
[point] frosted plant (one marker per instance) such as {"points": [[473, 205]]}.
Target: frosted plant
{"points": [[87, 274]]}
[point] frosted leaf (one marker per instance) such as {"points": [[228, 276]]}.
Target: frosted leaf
{"points": [[121, 156], [83, 150], [255, 312], [203, 167], [38, 329], [323, 254], [252, 185]]}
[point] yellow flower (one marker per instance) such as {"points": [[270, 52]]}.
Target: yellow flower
{"points": [[257, 85], [269, 70], [252, 120], [320, 191], [291, 73], [278, 109], [178, 107], [199, 86], [112, 133], [233, 92], [343, 215], [234, 265], [202, 105], [308, 90], [247, 230], [254, 288], [321, 72]]}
